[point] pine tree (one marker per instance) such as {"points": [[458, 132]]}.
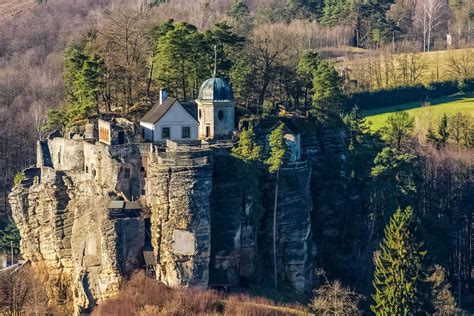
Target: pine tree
{"points": [[431, 137], [443, 132], [247, 148], [400, 274], [328, 97], [10, 237], [278, 151]]}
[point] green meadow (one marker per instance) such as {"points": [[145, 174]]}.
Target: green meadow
{"points": [[424, 116]]}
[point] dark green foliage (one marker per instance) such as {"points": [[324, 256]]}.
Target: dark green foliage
{"points": [[306, 70], [247, 148], [83, 79], [395, 177], [84, 83], [443, 132], [399, 129], [402, 95], [278, 149], [242, 75], [227, 43], [250, 154], [185, 57], [431, 136], [181, 60], [328, 97], [400, 274], [10, 236]]}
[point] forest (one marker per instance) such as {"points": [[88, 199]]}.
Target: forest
{"points": [[396, 192]]}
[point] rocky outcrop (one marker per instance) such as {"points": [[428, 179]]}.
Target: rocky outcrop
{"points": [[64, 224], [206, 217], [295, 249], [178, 189]]}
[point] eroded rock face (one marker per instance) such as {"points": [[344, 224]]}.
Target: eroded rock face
{"points": [[293, 227], [178, 190], [63, 220]]}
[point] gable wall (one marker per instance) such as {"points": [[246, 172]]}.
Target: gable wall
{"points": [[175, 119]]}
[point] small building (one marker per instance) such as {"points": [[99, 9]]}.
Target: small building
{"points": [[216, 109], [170, 120], [110, 133]]}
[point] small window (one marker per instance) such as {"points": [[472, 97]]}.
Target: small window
{"points": [[200, 114], [186, 132], [220, 115], [87, 169], [165, 132], [126, 173], [143, 192]]}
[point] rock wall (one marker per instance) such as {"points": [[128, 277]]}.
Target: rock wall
{"points": [[210, 216], [64, 224], [295, 250], [178, 189]]}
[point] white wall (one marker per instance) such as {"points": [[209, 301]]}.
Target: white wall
{"points": [[176, 118]]}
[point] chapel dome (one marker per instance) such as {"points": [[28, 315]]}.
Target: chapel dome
{"points": [[215, 89]]}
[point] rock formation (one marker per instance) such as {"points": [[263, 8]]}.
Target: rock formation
{"points": [[90, 211]]}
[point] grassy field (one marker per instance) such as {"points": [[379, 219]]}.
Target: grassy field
{"points": [[424, 116]]}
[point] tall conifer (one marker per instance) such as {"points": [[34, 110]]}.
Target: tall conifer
{"points": [[400, 276]]}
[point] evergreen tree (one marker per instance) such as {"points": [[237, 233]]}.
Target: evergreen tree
{"points": [[182, 60], [242, 76], [443, 132], [227, 43], [83, 81], [278, 152], [431, 136], [10, 237], [328, 98], [400, 274], [247, 148], [306, 70]]}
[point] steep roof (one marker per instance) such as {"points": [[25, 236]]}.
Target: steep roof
{"points": [[191, 108], [158, 111]]}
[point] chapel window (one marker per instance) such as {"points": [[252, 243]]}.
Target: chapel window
{"points": [[220, 115]]}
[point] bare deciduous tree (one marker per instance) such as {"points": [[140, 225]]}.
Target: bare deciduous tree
{"points": [[333, 298], [430, 17]]}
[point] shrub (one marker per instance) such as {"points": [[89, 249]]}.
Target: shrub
{"points": [[19, 177]]}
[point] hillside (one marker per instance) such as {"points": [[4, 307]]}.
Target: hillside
{"points": [[377, 70], [11, 8], [425, 116]]}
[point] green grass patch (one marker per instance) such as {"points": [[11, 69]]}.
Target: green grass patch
{"points": [[424, 116]]}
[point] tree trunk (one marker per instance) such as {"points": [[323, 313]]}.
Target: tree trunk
{"points": [[274, 231]]}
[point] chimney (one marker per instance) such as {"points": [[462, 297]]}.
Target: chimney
{"points": [[163, 95]]}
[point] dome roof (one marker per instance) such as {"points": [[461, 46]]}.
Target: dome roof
{"points": [[215, 89]]}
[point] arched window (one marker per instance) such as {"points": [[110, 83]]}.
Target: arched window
{"points": [[220, 115]]}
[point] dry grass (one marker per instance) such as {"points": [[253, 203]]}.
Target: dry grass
{"points": [[142, 296], [376, 70]]}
